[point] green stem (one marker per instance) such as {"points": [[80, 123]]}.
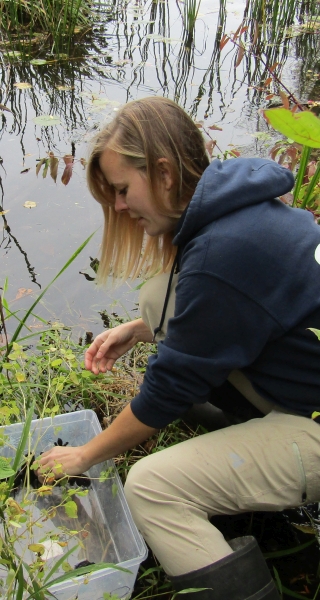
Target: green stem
{"points": [[302, 168], [313, 182]]}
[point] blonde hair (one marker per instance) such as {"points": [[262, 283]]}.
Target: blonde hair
{"points": [[145, 131]]}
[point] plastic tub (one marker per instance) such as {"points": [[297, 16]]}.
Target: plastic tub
{"points": [[108, 531]]}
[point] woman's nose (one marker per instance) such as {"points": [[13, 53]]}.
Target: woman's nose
{"points": [[120, 204]]}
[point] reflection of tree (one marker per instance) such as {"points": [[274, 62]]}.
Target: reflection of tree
{"points": [[7, 236]]}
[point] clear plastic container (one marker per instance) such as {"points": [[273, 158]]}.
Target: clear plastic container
{"points": [[108, 533]]}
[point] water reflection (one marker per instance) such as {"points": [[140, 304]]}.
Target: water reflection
{"points": [[136, 48]]}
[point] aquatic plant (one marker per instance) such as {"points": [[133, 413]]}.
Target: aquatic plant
{"points": [[303, 127], [33, 23]]}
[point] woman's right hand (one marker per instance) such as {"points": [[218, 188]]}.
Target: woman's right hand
{"points": [[109, 345]]}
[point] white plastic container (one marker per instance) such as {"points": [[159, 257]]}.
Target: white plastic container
{"points": [[110, 534]]}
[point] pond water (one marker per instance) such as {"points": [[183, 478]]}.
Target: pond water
{"points": [[135, 49]]}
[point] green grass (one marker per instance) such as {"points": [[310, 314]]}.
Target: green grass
{"points": [[28, 24]]}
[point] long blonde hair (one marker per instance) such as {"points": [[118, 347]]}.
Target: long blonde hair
{"points": [[144, 131]]}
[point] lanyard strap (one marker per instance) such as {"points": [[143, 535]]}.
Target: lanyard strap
{"points": [[166, 300]]}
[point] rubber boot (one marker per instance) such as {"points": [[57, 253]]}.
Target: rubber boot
{"points": [[242, 575]]}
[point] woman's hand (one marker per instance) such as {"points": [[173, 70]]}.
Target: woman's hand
{"points": [[62, 460], [113, 343], [124, 433]]}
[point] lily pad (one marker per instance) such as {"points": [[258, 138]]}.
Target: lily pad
{"points": [[154, 36], [38, 61], [22, 85], [13, 54], [65, 88], [100, 101], [46, 120], [142, 22]]}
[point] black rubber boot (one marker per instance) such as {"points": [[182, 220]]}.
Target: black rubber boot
{"points": [[243, 575]]}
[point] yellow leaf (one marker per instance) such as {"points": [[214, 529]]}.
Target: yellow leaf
{"points": [[38, 548], [20, 377], [45, 490], [30, 204], [4, 212]]}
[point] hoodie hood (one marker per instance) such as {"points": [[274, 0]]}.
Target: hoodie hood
{"points": [[228, 186]]}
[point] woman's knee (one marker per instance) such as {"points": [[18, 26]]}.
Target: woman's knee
{"points": [[142, 485]]}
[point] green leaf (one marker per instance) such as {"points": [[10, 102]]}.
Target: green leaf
{"points": [[5, 468], [74, 378], [38, 61], [77, 572], [193, 590], [46, 120], [315, 331], [302, 127], [56, 363], [71, 509]]}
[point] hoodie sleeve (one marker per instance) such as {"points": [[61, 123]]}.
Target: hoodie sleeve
{"points": [[216, 328]]}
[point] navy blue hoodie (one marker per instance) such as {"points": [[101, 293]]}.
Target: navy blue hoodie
{"points": [[248, 290]]}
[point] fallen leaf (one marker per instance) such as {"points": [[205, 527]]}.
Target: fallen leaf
{"points": [[83, 162], [4, 212], [22, 85], [23, 292], [25, 170], [30, 204]]}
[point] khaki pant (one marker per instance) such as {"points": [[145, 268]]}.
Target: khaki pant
{"points": [[270, 463]]}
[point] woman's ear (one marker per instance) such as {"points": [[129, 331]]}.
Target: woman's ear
{"points": [[165, 173]]}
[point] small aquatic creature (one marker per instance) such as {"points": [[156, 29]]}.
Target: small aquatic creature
{"points": [[83, 563]]}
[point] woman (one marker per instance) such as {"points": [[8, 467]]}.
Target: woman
{"points": [[243, 292]]}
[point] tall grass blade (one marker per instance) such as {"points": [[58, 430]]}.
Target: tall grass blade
{"points": [[280, 553], [21, 446], [76, 572]]}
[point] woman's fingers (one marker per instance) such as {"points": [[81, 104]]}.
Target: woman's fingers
{"points": [[60, 461]]}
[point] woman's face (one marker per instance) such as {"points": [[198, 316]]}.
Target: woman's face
{"points": [[132, 193]]}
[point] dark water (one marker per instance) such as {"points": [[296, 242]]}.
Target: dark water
{"points": [[135, 49]]}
